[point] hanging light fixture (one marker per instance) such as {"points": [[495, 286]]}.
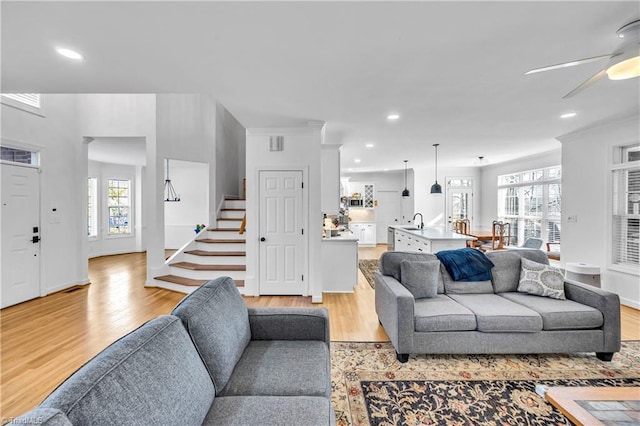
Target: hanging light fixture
{"points": [[436, 188], [170, 194], [405, 193]]}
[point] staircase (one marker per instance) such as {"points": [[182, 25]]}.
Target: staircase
{"points": [[215, 252]]}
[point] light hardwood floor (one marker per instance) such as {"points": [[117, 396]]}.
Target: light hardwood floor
{"points": [[44, 340]]}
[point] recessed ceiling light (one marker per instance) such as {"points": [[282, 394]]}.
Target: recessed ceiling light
{"points": [[369, 145], [357, 160], [385, 170], [568, 115], [393, 117], [350, 169], [68, 53]]}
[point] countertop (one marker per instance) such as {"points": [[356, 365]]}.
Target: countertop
{"points": [[433, 233], [344, 236]]}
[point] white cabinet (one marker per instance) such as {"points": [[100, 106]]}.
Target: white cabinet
{"points": [[405, 241], [365, 232], [330, 183], [366, 191]]}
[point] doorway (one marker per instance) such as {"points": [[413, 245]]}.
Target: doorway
{"points": [[281, 233], [388, 213], [459, 199], [20, 234]]}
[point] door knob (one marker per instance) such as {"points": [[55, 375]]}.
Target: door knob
{"points": [[263, 239]]}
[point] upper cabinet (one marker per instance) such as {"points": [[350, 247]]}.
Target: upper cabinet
{"points": [[362, 191], [330, 184]]}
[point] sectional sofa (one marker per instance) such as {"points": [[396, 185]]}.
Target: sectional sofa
{"points": [[491, 316], [212, 362]]}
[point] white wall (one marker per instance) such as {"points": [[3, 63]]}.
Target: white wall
{"points": [[104, 244], [586, 193], [489, 182], [302, 151], [191, 182], [230, 143], [62, 183]]}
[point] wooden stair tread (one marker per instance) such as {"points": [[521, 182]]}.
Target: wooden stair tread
{"points": [[216, 253], [230, 218], [233, 210], [235, 199], [181, 280], [190, 282], [223, 229], [220, 241], [198, 267]]}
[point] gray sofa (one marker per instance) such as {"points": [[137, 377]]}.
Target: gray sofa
{"points": [[213, 362], [493, 317]]}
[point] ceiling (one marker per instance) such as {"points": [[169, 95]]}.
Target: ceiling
{"points": [[453, 71], [110, 149]]}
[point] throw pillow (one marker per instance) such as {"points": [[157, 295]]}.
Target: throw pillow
{"points": [[420, 278], [541, 280]]}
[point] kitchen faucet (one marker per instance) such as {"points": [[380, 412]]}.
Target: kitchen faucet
{"points": [[421, 220]]}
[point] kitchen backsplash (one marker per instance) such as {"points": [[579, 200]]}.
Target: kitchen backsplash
{"points": [[362, 215]]}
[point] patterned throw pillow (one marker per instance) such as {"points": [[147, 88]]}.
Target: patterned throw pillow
{"points": [[420, 278], [541, 280]]}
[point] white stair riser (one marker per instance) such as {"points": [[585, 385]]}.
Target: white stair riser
{"points": [[234, 204], [182, 288], [215, 260], [222, 246], [225, 235], [232, 214], [206, 275], [228, 224]]}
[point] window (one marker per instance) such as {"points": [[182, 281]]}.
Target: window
{"points": [[119, 196], [29, 102], [21, 156], [626, 206], [92, 207], [531, 202]]}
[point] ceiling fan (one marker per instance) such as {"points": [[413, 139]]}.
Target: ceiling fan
{"points": [[623, 63]]}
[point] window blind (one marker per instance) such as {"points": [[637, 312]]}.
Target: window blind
{"points": [[626, 217]]}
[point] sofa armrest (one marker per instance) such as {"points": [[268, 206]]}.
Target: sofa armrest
{"points": [[289, 324], [395, 309], [606, 302]]}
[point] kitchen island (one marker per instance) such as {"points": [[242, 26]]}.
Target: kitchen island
{"points": [[427, 240], [340, 263]]}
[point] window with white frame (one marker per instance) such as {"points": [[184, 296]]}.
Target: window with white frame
{"points": [[92, 207], [119, 206], [20, 156], [531, 202], [29, 102], [626, 206]]}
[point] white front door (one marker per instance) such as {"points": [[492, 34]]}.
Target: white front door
{"points": [[388, 213], [459, 199], [281, 233], [20, 235]]}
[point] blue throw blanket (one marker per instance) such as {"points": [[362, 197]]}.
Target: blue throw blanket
{"points": [[466, 264]]}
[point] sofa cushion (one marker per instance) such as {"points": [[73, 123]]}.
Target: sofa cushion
{"points": [[442, 313], [559, 314], [506, 270], [541, 280], [282, 368], [495, 314], [389, 263], [270, 411], [420, 278], [463, 287], [153, 373], [217, 319]]}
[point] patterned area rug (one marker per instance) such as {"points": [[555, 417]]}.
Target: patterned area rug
{"points": [[369, 268], [370, 387]]}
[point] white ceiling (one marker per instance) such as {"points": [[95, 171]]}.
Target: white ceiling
{"points": [[110, 150], [452, 70]]}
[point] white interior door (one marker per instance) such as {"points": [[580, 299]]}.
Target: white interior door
{"points": [[389, 212], [281, 233], [20, 250]]}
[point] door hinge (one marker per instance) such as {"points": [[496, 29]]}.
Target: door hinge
{"points": [[302, 231], [303, 278], [302, 185]]}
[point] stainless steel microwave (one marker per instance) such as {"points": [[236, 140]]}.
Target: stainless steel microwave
{"points": [[356, 202]]}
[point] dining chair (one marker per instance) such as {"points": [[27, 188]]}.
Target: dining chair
{"points": [[553, 250], [500, 236]]}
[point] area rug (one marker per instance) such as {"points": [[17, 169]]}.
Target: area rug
{"points": [[369, 268], [370, 387]]}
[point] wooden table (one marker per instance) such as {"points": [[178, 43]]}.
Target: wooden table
{"points": [[571, 401], [481, 234]]}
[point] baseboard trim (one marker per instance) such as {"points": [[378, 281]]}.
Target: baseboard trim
{"points": [[630, 303], [67, 286]]}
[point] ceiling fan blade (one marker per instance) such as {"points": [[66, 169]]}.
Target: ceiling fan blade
{"points": [[587, 83], [568, 64]]}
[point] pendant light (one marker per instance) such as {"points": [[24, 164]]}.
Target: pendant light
{"points": [[170, 194], [436, 188], [405, 193]]}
